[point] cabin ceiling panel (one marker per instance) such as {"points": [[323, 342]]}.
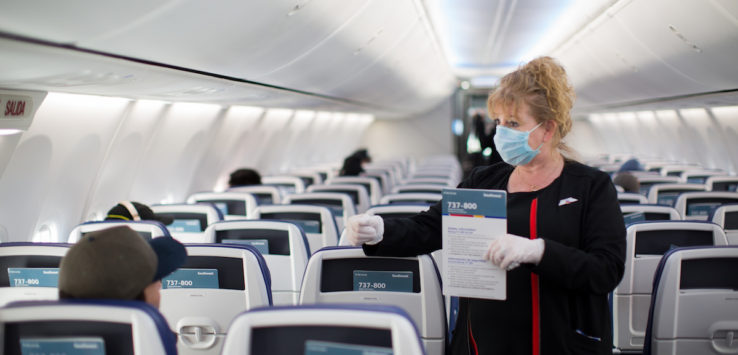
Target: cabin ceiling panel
{"points": [[650, 49], [36, 67], [319, 47], [358, 46]]}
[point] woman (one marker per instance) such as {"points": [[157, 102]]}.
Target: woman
{"points": [[565, 250]]}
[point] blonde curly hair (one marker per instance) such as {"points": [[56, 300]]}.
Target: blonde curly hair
{"points": [[541, 84]]}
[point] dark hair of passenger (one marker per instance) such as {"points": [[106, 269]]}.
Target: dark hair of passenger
{"points": [[244, 177], [627, 181], [351, 166], [363, 155]]}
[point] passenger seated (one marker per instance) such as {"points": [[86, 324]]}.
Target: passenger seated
{"points": [[135, 211], [244, 177], [351, 167], [627, 181], [117, 263]]}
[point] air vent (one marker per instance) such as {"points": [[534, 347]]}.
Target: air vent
{"points": [[299, 6], [679, 35]]}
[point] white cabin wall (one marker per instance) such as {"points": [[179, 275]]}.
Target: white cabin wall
{"points": [[705, 136], [420, 136], [82, 154], [46, 182], [584, 140]]}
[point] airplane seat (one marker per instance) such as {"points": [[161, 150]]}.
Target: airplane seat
{"points": [[232, 205], [700, 205], [371, 185], [287, 184], [110, 327], [419, 188], [30, 271], [645, 181], [646, 243], [324, 329], [384, 177], [693, 304], [410, 197], [722, 183], [339, 203], [666, 194], [346, 275], [190, 220], [283, 245], [358, 194], [726, 216], [203, 296], [447, 182], [640, 212], [308, 177], [264, 194], [317, 222], [147, 229], [629, 197]]}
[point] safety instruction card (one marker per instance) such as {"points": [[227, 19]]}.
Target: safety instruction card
{"points": [[472, 219]]}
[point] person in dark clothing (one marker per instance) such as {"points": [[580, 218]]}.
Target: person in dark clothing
{"points": [[351, 166], [244, 177], [486, 140], [565, 247]]}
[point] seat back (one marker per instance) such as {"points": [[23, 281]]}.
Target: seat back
{"points": [[282, 244], [346, 275], [232, 205], [216, 283], [722, 183], [645, 245], [339, 203], [726, 216], [324, 329], [316, 221], [288, 184], [699, 176], [678, 169], [29, 271], [308, 177], [419, 188], [638, 213], [371, 185], [701, 205], [428, 181], [264, 194], [190, 220], [384, 177], [358, 194], [693, 307], [110, 327], [646, 181], [666, 194], [147, 229], [409, 197], [627, 197]]}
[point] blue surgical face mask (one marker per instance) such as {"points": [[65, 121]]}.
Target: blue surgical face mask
{"points": [[513, 145]]}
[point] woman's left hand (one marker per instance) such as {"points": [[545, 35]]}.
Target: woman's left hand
{"points": [[509, 251]]}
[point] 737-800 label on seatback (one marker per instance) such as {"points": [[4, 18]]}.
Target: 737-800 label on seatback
{"points": [[393, 281], [191, 278], [33, 277]]}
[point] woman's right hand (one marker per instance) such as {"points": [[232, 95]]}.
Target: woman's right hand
{"points": [[364, 229]]}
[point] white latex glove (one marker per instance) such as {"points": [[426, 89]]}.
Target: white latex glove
{"points": [[364, 229], [509, 251]]}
